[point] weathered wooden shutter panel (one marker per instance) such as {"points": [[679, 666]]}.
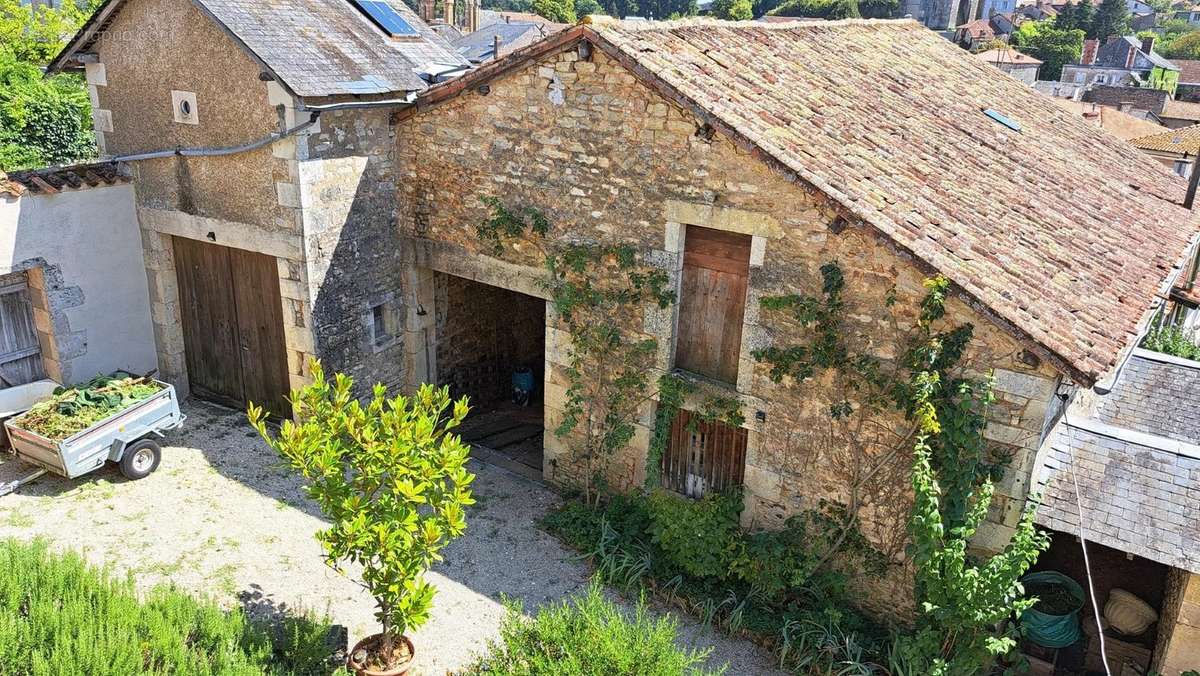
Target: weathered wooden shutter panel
{"points": [[703, 456], [712, 302], [20, 353]]}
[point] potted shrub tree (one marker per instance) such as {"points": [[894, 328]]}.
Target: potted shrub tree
{"points": [[393, 482]]}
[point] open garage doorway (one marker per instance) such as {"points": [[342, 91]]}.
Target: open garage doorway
{"points": [[491, 346]]}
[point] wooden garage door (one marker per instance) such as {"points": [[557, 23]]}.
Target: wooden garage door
{"points": [[232, 325], [712, 302]]}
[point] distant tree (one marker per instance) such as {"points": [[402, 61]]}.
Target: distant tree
{"points": [[37, 34], [878, 9], [733, 10], [586, 7], [761, 7], [1112, 18], [666, 9], [1053, 46], [1184, 47], [498, 5], [559, 11], [820, 9], [1085, 16], [621, 8], [43, 121], [1066, 17]]}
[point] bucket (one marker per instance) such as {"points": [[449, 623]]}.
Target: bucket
{"points": [[1052, 630]]}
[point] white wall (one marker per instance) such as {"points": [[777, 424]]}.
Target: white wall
{"points": [[89, 244]]}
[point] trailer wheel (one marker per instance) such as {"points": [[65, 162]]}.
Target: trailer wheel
{"points": [[140, 459]]}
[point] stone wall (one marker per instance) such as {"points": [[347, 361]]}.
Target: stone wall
{"points": [[607, 158], [1178, 648], [353, 255]]}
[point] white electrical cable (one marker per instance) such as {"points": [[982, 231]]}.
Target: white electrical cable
{"points": [[1087, 564]]}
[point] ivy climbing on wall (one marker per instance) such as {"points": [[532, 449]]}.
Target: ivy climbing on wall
{"points": [[599, 292], [920, 412]]}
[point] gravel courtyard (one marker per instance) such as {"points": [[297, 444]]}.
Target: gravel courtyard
{"points": [[220, 517]]}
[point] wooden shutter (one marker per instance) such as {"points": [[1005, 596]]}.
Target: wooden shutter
{"points": [[703, 456], [712, 302], [20, 354]]}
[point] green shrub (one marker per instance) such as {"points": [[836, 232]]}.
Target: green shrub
{"points": [[43, 121], [701, 536], [588, 636], [391, 479], [1172, 340], [819, 9], [60, 616]]}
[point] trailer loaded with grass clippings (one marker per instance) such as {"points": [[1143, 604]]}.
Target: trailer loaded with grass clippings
{"points": [[109, 418]]}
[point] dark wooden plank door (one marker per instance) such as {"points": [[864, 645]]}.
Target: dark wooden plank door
{"points": [[210, 332], [232, 325], [260, 330], [712, 302], [20, 352], [703, 456]]}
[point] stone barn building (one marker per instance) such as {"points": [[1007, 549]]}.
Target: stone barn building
{"points": [[712, 148]]}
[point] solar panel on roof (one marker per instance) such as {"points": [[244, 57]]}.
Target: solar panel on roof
{"points": [[386, 17]]}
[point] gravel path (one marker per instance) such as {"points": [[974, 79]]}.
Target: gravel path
{"points": [[220, 517]]}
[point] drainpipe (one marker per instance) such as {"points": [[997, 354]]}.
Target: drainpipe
{"points": [[496, 46]]}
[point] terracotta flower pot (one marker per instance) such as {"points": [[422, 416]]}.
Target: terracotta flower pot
{"points": [[369, 644]]}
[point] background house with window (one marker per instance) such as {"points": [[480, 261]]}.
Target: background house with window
{"points": [[1125, 61], [1175, 148]]}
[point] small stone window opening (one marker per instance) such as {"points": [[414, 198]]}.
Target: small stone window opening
{"points": [[703, 456], [384, 325]]}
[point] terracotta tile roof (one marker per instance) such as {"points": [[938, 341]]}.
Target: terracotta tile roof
{"points": [[1183, 140], [1189, 70], [1122, 125], [979, 28], [1181, 110], [72, 177], [1060, 232], [1007, 55]]}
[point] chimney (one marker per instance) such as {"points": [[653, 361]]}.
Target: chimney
{"points": [[1130, 53], [1148, 44], [496, 46], [1090, 47], [448, 11], [426, 10]]}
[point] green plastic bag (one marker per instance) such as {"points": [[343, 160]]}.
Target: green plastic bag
{"points": [[1044, 629]]}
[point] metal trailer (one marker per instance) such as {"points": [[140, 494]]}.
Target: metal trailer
{"points": [[124, 438]]}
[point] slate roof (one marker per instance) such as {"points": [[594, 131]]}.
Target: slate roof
{"points": [[52, 180], [1181, 110], [477, 47], [1137, 497], [315, 48], [1158, 394], [1059, 229], [1182, 140]]}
